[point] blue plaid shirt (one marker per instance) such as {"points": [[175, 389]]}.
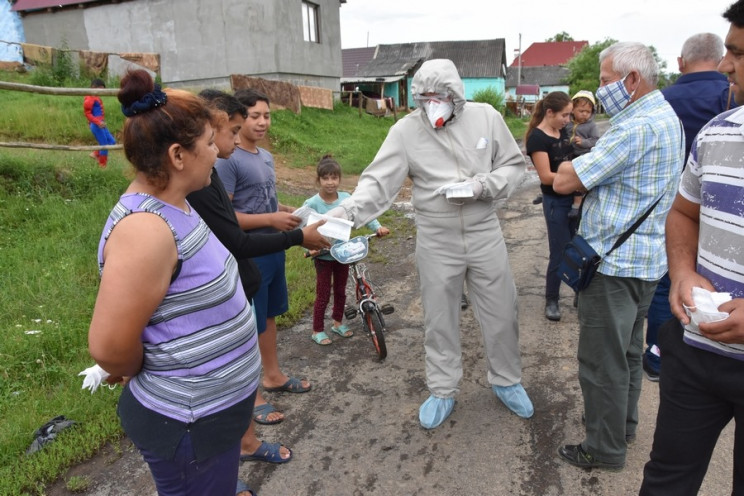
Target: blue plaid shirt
{"points": [[633, 164]]}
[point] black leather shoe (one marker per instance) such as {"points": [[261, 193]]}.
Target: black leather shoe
{"points": [[575, 455], [552, 312]]}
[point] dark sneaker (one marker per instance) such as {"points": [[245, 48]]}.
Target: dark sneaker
{"points": [[552, 311], [652, 373], [464, 303], [537, 200], [575, 455]]}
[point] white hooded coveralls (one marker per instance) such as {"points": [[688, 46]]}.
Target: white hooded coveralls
{"points": [[454, 243]]}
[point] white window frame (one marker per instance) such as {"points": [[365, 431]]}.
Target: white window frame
{"points": [[311, 22]]}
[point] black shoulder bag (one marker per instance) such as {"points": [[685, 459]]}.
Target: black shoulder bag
{"points": [[580, 261]]}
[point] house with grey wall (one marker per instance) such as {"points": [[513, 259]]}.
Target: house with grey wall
{"points": [[388, 74], [201, 42]]}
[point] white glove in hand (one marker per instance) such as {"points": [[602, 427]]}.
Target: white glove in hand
{"points": [[338, 212], [94, 377]]}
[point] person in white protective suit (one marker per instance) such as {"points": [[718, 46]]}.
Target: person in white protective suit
{"points": [[460, 157]]}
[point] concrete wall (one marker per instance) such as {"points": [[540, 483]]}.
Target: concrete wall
{"points": [[202, 42]]}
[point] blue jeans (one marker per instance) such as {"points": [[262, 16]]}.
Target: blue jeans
{"points": [[560, 231], [658, 313]]}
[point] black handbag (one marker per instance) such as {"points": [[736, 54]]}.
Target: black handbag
{"points": [[580, 262]]}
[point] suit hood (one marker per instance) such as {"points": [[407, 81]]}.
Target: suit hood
{"points": [[440, 76]]}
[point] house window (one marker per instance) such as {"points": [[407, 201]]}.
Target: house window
{"points": [[310, 22]]}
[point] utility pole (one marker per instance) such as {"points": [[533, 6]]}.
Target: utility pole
{"points": [[519, 62]]}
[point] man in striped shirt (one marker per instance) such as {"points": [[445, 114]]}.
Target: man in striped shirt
{"points": [[635, 164], [702, 381]]}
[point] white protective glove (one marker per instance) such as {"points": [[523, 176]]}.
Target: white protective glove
{"points": [[462, 192], [94, 377], [338, 212]]}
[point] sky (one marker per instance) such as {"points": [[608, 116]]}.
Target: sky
{"points": [[664, 24]]}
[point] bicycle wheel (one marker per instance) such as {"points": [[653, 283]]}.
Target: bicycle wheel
{"points": [[374, 324]]}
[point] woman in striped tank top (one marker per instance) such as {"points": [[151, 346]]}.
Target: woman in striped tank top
{"points": [[171, 315]]}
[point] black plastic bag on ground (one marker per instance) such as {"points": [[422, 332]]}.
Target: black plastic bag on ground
{"points": [[48, 432]]}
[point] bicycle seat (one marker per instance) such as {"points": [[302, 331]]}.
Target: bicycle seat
{"points": [[350, 251]]}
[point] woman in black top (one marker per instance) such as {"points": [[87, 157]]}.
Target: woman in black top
{"points": [[547, 144]]}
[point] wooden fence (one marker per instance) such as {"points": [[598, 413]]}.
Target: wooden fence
{"points": [[47, 90]]}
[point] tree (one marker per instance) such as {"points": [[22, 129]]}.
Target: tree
{"points": [[562, 36], [584, 68]]}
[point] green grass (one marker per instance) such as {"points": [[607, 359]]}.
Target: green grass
{"points": [[353, 139], [53, 205]]}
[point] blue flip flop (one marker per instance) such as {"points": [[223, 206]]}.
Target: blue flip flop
{"points": [[261, 414], [293, 385], [267, 452], [242, 487]]}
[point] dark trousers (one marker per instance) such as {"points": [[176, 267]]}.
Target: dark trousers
{"points": [[329, 272], [560, 231], [184, 476], [699, 393], [659, 311], [611, 315]]}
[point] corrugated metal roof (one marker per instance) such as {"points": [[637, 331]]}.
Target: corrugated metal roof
{"points": [[355, 58], [549, 53], [477, 58], [543, 76], [24, 5]]}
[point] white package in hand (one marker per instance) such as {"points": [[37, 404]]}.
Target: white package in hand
{"points": [[333, 228], [706, 307], [303, 213], [460, 190]]}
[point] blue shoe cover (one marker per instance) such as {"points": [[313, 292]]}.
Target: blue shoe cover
{"points": [[434, 411], [515, 398]]}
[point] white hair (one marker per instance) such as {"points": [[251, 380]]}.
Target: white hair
{"points": [[630, 56], [703, 47]]}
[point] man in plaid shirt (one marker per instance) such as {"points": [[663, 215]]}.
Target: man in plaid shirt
{"points": [[635, 163]]}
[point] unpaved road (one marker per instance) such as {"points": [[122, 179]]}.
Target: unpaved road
{"points": [[357, 431]]}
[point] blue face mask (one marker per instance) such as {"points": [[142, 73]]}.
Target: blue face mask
{"points": [[614, 97]]}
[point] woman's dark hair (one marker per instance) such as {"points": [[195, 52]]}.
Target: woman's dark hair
{"points": [[328, 167], [97, 83], [555, 101], [148, 135]]}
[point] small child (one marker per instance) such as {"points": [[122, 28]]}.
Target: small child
{"points": [[93, 108], [582, 132], [327, 269]]}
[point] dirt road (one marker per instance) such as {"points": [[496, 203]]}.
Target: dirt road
{"points": [[357, 431]]}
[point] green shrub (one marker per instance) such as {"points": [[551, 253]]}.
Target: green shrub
{"points": [[490, 95]]}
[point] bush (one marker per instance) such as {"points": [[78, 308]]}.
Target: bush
{"points": [[490, 95]]}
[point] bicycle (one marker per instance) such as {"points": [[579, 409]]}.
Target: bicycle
{"points": [[351, 253]]}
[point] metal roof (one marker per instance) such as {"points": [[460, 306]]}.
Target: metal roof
{"points": [[355, 58], [543, 76], [473, 59], [24, 5], [550, 53]]}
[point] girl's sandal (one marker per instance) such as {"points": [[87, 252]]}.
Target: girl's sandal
{"points": [[343, 331], [321, 338]]}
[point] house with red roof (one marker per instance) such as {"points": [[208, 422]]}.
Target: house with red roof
{"points": [[540, 69]]}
